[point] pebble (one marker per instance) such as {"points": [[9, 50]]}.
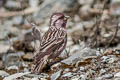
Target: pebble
{"points": [[102, 71], [17, 20], [3, 73], [108, 76], [56, 75], [69, 74], [117, 75]]}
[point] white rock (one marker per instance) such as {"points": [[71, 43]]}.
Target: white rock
{"points": [[83, 2], [117, 75], [67, 75], [102, 71], [3, 48], [86, 52], [83, 77], [3, 73], [16, 75], [105, 59], [33, 3], [13, 67], [34, 79], [17, 20]]}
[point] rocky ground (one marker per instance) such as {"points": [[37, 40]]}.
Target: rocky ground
{"points": [[93, 46]]}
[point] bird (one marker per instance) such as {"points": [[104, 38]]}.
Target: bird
{"points": [[53, 42]]}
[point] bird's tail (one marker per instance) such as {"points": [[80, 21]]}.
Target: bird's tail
{"points": [[41, 64]]}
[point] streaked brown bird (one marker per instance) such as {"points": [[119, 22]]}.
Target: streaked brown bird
{"points": [[53, 42]]}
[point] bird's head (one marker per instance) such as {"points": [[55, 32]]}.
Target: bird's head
{"points": [[58, 20]]}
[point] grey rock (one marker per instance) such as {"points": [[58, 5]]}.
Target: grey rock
{"points": [[42, 75], [3, 73], [102, 71], [12, 59], [69, 74], [33, 3], [115, 1], [108, 76], [13, 67], [15, 76], [82, 68], [117, 79], [3, 48], [86, 52], [115, 7], [76, 77], [117, 75], [83, 2], [105, 59], [5, 29], [50, 6], [83, 77], [99, 78], [112, 59], [17, 20], [35, 79], [109, 59], [66, 70], [12, 4], [56, 75]]}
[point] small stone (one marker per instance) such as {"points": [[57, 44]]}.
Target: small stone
{"points": [[83, 77], [99, 78], [66, 70], [117, 75], [112, 59], [3, 48], [33, 3], [12, 67], [15, 76], [13, 4], [43, 79], [105, 59], [102, 71], [17, 20], [76, 18], [86, 52], [34, 79], [12, 59], [84, 2], [77, 77], [3, 73], [69, 74], [108, 76], [56, 75], [117, 79], [82, 68]]}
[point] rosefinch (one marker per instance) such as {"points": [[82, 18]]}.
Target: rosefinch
{"points": [[53, 41]]}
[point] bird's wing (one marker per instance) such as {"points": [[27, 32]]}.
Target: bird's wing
{"points": [[60, 49], [51, 41], [52, 36]]}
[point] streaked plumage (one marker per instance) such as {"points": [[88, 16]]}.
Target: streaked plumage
{"points": [[53, 41]]}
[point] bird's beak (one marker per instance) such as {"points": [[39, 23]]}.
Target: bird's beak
{"points": [[66, 17]]}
